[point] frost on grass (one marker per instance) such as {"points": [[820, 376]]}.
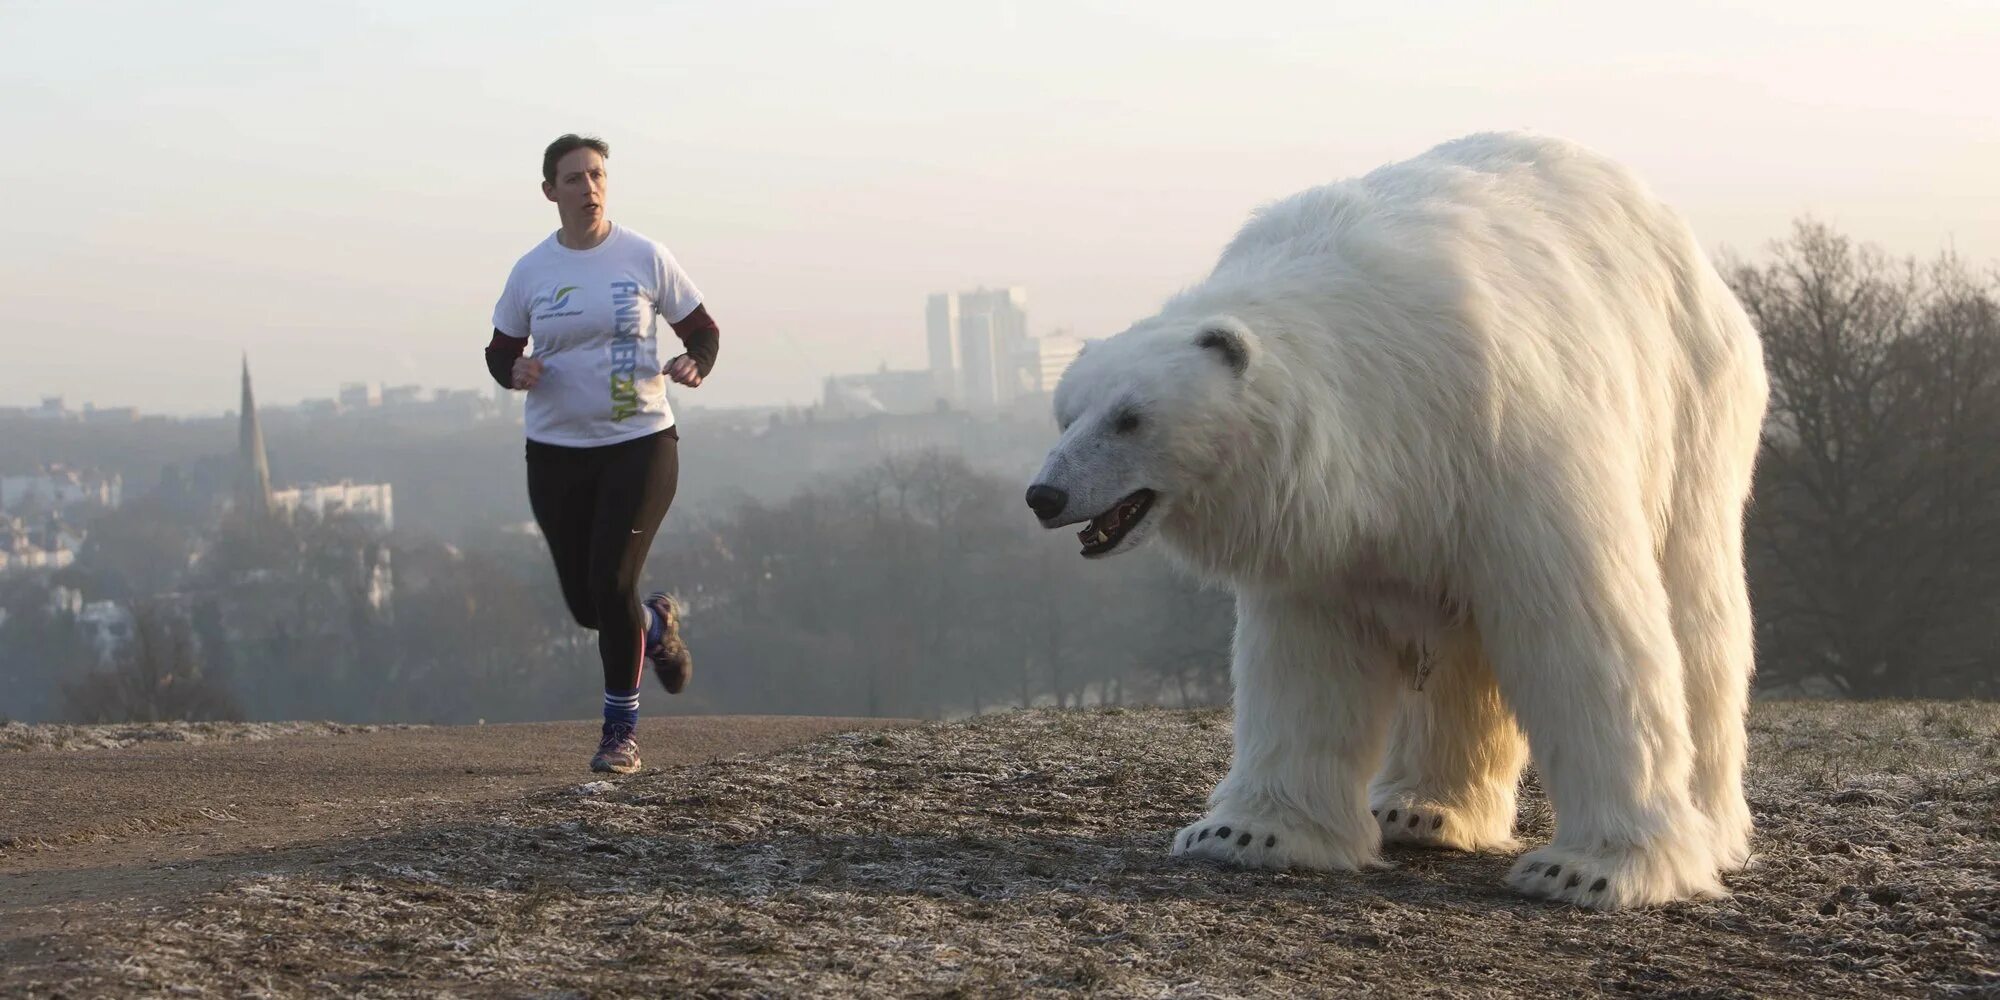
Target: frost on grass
{"points": [[1025, 854], [16, 736]]}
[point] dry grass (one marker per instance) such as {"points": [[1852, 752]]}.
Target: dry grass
{"points": [[1024, 854]]}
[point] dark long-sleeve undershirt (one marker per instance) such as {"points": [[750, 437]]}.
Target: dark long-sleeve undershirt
{"points": [[697, 332]]}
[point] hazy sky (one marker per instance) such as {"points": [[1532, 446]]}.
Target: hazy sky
{"points": [[341, 188]]}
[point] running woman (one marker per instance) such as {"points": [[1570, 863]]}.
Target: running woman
{"points": [[603, 456]]}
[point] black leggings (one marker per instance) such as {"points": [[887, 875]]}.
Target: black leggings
{"points": [[599, 509]]}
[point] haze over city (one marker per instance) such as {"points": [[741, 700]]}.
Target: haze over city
{"points": [[340, 190]]}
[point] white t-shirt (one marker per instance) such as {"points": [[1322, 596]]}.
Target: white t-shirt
{"points": [[593, 318]]}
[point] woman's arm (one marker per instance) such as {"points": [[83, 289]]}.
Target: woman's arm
{"points": [[700, 336], [501, 353]]}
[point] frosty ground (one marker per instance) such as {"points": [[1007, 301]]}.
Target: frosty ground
{"points": [[1025, 854], [16, 736]]}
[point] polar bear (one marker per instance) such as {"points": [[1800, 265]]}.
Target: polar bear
{"points": [[1471, 438]]}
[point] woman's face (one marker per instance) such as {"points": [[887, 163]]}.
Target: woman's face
{"points": [[579, 188]]}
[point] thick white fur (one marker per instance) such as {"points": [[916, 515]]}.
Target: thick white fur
{"points": [[1496, 412]]}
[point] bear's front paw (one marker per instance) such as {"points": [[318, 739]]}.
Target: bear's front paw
{"points": [[1268, 842], [1616, 879], [1405, 818]]}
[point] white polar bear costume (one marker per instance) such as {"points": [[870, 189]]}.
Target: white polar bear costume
{"points": [[1471, 437]]}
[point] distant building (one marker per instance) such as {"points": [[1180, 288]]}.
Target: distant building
{"points": [[973, 339], [370, 503], [992, 343], [400, 395], [465, 404], [981, 356], [57, 488], [28, 548], [54, 409], [1044, 360], [881, 391], [360, 395], [941, 340], [93, 414], [796, 448]]}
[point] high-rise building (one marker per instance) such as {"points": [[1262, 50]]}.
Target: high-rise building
{"points": [[941, 337], [975, 340], [979, 355], [1045, 359], [253, 469]]}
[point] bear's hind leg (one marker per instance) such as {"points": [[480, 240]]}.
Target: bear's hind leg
{"points": [[1454, 759], [1312, 703], [1703, 567]]}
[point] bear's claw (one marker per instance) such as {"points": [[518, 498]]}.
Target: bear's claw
{"points": [[1262, 842], [1406, 819], [1613, 880], [1227, 842]]}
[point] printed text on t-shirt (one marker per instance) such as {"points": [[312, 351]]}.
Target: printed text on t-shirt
{"points": [[624, 349]]}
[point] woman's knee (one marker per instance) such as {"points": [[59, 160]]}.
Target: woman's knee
{"points": [[582, 606], [614, 602]]}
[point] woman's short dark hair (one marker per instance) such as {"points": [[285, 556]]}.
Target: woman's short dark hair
{"points": [[566, 145]]}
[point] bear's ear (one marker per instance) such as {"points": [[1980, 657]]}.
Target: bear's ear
{"points": [[1230, 341]]}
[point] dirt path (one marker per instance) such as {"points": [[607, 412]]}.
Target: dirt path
{"points": [[141, 828]]}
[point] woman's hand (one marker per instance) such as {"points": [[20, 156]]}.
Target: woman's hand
{"points": [[684, 371], [527, 372]]}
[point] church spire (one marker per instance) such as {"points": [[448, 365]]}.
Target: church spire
{"points": [[253, 470]]}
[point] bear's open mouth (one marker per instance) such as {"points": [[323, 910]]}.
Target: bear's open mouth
{"points": [[1106, 530]]}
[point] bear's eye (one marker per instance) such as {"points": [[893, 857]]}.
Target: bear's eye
{"points": [[1127, 422]]}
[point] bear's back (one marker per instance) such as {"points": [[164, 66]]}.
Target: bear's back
{"points": [[1483, 189], [1497, 266]]}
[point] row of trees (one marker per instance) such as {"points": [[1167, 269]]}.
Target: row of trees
{"points": [[922, 587], [912, 588]]}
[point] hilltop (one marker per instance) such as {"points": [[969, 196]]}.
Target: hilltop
{"points": [[1024, 854]]}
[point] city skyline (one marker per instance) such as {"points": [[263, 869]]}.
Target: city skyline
{"points": [[1006, 362]]}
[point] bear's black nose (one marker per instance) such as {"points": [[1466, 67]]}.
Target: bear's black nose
{"points": [[1046, 501]]}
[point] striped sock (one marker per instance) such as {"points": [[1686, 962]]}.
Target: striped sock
{"points": [[622, 707]]}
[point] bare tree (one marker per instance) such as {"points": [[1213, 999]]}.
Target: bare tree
{"points": [[157, 678], [1876, 522]]}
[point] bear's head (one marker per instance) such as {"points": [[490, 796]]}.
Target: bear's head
{"points": [[1148, 418]]}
